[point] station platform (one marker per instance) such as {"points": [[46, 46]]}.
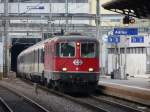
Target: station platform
{"points": [[133, 89]]}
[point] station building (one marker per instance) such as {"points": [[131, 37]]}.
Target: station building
{"points": [[138, 54]]}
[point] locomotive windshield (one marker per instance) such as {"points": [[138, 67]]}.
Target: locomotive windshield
{"points": [[88, 50], [66, 49]]}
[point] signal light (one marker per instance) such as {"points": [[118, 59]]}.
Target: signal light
{"points": [[128, 20], [78, 43], [132, 21]]}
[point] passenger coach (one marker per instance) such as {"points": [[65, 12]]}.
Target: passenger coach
{"points": [[69, 63]]}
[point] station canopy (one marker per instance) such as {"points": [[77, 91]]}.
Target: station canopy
{"points": [[135, 8]]}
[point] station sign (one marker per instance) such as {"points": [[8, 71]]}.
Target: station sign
{"points": [[125, 31], [137, 39], [113, 39]]}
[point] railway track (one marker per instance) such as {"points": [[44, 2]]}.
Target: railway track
{"points": [[4, 107], [92, 102], [14, 102], [108, 106], [114, 103], [87, 105], [95, 103]]}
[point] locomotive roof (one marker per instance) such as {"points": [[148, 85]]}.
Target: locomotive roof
{"points": [[40, 44], [75, 38], [36, 46]]}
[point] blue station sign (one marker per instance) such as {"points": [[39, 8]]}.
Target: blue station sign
{"points": [[113, 39], [137, 39], [125, 31]]}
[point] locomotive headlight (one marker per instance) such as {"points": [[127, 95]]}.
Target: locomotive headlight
{"points": [[64, 69], [91, 69], [78, 44]]}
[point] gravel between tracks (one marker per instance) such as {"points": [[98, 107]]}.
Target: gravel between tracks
{"points": [[49, 101]]}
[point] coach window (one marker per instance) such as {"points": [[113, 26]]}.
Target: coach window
{"points": [[88, 50], [67, 49], [42, 55]]}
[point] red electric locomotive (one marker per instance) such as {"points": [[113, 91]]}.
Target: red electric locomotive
{"points": [[70, 63]]}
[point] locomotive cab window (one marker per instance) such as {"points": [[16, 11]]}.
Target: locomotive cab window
{"points": [[88, 50], [65, 49]]}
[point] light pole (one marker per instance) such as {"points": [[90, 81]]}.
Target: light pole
{"points": [[6, 64], [42, 27], [125, 64], [18, 7], [99, 33], [66, 13], [50, 17]]}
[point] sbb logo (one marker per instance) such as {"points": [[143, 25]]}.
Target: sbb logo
{"points": [[77, 62]]}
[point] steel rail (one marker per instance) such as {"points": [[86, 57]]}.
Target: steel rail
{"points": [[85, 104], [26, 99], [110, 102], [5, 105], [90, 105]]}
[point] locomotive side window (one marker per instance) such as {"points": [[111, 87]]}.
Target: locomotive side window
{"points": [[57, 49], [66, 49], [88, 50]]}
